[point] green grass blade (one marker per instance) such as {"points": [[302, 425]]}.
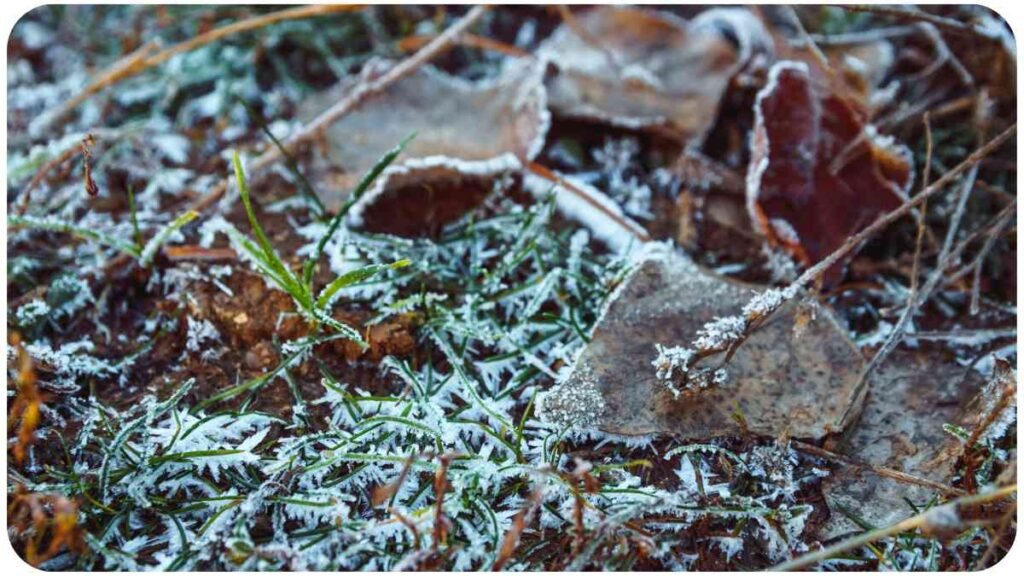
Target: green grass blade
{"points": [[149, 250], [290, 283], [52, 225], [354, 197], [354, 277], [134, 214], [305, 187]]}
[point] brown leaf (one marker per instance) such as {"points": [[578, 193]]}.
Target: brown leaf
{"points": [[818, 172], [466, 132], [913, 395], [639, 68], [782, 384]]}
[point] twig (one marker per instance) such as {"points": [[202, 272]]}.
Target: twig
{"points": [[965, 335], [440, 487], [994, 226], [979, 260], [946, 56], [918, 296], [144, 58], [520, 521], [854, 241], [880, 470], [71, 152], [549, 175], [808, 42], [854, 38], [923, 520], [925, 178], [410, 43]]}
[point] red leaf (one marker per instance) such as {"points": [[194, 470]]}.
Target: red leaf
{"points": [[818, 172]]}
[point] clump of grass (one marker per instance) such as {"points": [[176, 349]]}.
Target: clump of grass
{"points": [[314, 306]]}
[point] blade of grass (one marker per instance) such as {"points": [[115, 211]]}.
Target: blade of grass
{"points": [[289, 160], [353, 277], [52, 225], [134, 214], [357, 193], [149, 250], [291, 284]]}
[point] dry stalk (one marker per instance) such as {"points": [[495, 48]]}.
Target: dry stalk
{"points": [[520, 521], [924, 521], [879, 470]]}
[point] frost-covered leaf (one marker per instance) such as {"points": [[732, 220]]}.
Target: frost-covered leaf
{"points": [[465, 132], [638, 68], [819, 172], [781, 382]]}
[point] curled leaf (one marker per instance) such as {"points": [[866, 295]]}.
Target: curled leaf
{"points": [[638, 68], [466, 132], [818, 171]]}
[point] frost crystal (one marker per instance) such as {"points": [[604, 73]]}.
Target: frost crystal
{"points": [[31, 312], [576, 403], [720, 333]]}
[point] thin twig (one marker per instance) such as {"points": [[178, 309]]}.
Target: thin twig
{"points": [[880, 470], [550, 175], [918, 296], [71, 152], [920, 16], [411, 43], [922, 520], [883, 221]]}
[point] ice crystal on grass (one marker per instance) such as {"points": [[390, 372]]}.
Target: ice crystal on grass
{"points": [[201, 333], [71, 362]]}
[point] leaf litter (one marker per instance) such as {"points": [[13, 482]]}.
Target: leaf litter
{"points": [[537, 358]]}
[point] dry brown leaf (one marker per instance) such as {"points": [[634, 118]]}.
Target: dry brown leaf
{"points": [[782, 383], [818, 172], [913, 395], [466, 132], [639, 68]]}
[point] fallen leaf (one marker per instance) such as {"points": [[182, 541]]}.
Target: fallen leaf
{"points": [[781, 383], [913, 396], [466, 132], [638, 68], [818, 173]]}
